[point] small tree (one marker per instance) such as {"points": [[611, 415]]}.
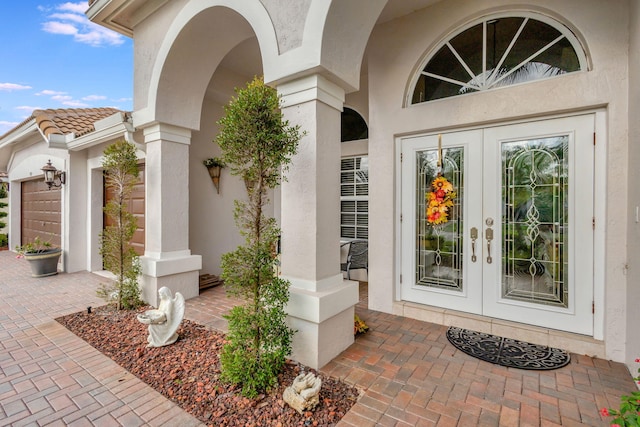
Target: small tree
{"points": [[3, 195], [257, 144], [121, 174]]}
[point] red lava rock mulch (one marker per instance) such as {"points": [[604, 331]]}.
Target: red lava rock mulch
{"points": [[188, 371]]}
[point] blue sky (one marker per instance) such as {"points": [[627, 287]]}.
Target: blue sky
{"points": [[52, 56]]}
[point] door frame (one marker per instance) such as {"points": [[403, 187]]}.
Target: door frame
{"points": [[600, 186]]}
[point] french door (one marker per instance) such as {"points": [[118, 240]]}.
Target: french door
{"points": [[518, 240]]}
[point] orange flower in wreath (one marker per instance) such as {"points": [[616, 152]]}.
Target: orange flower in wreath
{"points": [[439, 200]]}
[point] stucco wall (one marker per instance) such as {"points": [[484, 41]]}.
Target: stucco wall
{"points": [[213, 231], [211, 224], [289, 21], [149, 35], [395, 51], [633, 273]]}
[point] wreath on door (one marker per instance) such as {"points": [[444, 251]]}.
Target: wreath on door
{"points": [[442, 195], [439, 200]]}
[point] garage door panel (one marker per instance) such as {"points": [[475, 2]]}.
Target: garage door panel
{"points": [[40, 212]]}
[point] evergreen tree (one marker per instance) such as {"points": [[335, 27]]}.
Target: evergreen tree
{"points": [[121, 174], [257, 144]]}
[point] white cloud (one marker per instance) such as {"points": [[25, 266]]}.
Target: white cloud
{"points": [[72, 21], [55, 27], [62, 98], [6, 126], [80, 7], [75, 103], [80, 19], [94, 98], [9, 87], [48, 92], [28, 108], [99, 36]]}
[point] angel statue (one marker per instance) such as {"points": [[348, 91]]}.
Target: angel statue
{"points": [[164, 321]]}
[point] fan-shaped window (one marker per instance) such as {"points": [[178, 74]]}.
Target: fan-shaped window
{"points": [[353, 126], [498, 51]]}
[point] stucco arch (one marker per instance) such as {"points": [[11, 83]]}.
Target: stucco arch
{"points": [[203, 32], [198, 39], [343, 43]]}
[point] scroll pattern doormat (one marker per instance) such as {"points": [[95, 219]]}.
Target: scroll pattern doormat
{"points": [[507, 352]]}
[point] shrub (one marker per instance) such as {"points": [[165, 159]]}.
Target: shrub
{"points": [[3, 192], [256, 144], [4, 239]]}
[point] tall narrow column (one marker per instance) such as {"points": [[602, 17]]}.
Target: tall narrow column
{"points": [[167, 259], [321, 305]]}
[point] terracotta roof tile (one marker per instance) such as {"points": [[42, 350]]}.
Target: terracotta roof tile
{"points": [[77, 121]]}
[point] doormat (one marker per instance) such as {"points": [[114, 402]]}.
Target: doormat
{"points": [[506, 351]]}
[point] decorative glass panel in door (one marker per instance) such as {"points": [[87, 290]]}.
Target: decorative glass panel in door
{"points": [[439, 252], [535, 194]]}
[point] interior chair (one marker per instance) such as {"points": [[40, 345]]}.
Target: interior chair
{"points": [[357, 257]]}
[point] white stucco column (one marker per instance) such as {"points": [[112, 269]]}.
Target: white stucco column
{"points": [[321, 305], [167, 259], [76, 206]]}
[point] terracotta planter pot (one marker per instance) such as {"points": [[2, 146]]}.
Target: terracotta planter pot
{"points": [[44, 263]]}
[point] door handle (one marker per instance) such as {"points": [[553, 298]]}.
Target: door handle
{"points": [[474, 237], [489, 236]]}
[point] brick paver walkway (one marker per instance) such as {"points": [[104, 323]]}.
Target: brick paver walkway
{"points": [[50, 377], [408, 373]]}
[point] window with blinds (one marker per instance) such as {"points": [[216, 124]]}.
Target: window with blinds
{"points": [[354, 198]]}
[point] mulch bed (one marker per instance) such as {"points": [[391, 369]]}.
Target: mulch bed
{"points": [[188, 372]]}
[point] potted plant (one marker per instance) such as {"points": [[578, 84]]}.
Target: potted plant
{"points": [[42, 257], [214, 166]]}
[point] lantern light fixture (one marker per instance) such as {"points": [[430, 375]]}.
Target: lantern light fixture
{"points": [[52, 176]]}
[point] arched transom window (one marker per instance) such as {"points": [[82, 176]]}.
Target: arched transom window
{"points": [[497, 51]]}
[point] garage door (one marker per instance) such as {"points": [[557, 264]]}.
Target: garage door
{"points": [[41, 212], [136, 206]]}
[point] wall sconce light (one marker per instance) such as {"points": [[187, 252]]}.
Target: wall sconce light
{"points": [[214, 166], [52, 176]]}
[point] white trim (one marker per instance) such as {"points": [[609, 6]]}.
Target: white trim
{"points": [[108, 129], [319, 306], [310, 88], [600, 212], [166, 132], [170, 263], [17, 134], [321, 285]]}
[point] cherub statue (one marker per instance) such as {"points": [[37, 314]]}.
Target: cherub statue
{"points": [[303, 394], [164, 321]]}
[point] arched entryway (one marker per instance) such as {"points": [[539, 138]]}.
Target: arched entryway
{"points": [[209, 48]]}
